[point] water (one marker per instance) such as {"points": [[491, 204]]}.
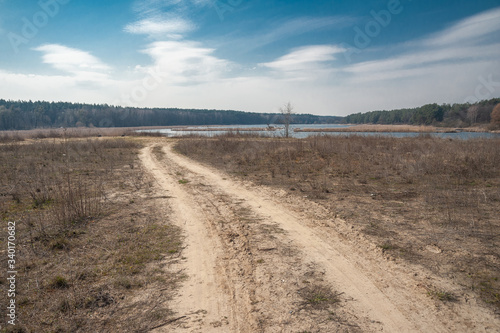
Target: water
{"points": [[279, 132]]}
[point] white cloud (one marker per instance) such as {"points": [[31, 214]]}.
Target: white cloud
{"points": [[182, 62], [55, 88], [421, 58], [79, 63], [288, 29], [162, 19], [422, 71], [146, 7], [459, 44], [470, 30], [305, 58], [173, 27], [441, 68], [308, 63]]}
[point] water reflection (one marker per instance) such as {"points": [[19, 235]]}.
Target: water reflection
{"points": [[279, 131]]}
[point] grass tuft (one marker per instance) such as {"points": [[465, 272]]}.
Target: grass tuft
{"points": [[59, 282], [318, 296], [442, 295]]}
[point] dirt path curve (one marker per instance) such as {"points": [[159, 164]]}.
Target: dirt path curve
{"points": [[227, 291], [200, 298]]}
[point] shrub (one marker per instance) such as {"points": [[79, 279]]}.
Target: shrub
{"points": [[495, 116]]}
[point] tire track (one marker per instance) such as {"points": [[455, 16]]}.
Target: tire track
{"points": [[249, 254], [202, 299], [369, 300]]}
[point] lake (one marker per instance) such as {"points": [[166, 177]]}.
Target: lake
{"points": [[279, 132]]}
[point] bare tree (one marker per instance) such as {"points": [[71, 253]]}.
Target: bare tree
{"points": [[472, 114], [287, 112]]}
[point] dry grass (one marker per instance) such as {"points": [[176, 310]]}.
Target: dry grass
{"points": [[430, 201], [36, 134], [79, 132], [91, 249], [224, 129], [393, 128], [318, 297]]}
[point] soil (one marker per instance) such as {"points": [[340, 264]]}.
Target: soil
{"points": [[259, 259]]}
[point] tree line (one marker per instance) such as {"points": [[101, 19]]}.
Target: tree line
{"points": [[25, 115], [450, 115]]}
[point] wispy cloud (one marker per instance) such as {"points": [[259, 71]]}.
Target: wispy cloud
{"points": [[461, 43], [56, 88], [287, 29], [161, 27], [80, 64], [443, 67], [472, 30], [164, 19], [305, 63], [428, 57], [182, 62]]}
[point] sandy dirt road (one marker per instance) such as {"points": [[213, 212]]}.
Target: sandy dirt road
{"points": [[253, 255]]}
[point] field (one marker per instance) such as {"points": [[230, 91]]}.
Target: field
{"points": [[242, 233], [92, 253], [428, 201]]}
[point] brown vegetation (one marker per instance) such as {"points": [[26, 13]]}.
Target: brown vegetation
{"points": [[36, 134], [429, 201], [222, 129], [78, 132], [87, 237], [495, 116], [393, 128]]}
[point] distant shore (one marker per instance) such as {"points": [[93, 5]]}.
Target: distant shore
{"points": [[394, 128], [224, 129]]}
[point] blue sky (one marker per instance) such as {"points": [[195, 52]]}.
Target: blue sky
{"points": [[325, 57]]}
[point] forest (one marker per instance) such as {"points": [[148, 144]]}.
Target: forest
{"points": [[25, 115], [447, 115]]}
